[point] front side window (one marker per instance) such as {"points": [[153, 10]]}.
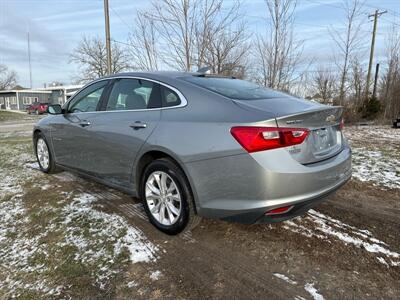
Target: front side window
{"points": [[235, 88], [133, 94], [88, 99]]}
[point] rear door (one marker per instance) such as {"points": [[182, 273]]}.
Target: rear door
{"points": [[130, 113]]}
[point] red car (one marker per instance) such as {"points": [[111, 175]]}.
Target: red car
{"points": [[37, 108]]}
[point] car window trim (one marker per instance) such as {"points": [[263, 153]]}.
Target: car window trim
{"points": [[113, 79], [106, 96]]}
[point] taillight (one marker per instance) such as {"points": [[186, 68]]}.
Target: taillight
{"points": [[255, 139]]}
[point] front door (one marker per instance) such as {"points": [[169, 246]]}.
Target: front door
{"points": [[70, 134]]}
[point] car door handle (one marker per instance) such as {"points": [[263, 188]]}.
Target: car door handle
{"points": [[84, 123], [138, 125]]}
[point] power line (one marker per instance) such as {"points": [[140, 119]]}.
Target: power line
{"points": [[122, 20], [326, 4], [390, 21], [390, 11]]}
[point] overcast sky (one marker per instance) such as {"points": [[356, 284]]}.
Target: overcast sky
{"points": [[55, 28]]}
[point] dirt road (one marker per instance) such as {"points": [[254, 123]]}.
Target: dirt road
{"points": [[63, 236]]}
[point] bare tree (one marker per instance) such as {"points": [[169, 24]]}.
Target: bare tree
{"points": [[90, 55], [223, 39], [205, 29], [144, 46], [324, 83], [8, 78], [348, 42], [176, 21], [278, 53], [390, 85], [226, 51], [199, 33], [357, 82]]}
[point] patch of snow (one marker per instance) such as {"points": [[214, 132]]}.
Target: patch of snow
{"points": [[316, 224], [139, 248], [380, 134], [285, 278], [45, 186], [103, 227], [375, 167], [155, 275], [131, 284], [382, 261], [18, 249], [309, 287], [67, 177], [9, 185]]}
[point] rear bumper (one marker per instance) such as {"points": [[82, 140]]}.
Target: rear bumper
{"points": [[242, 188], [299, 208]]}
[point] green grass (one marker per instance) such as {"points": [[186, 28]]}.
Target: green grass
{"points": [[11, 116], [44, 209]]}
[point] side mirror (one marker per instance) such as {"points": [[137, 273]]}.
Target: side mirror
{"points": [[54, 109]]}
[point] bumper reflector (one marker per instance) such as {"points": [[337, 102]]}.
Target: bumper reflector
{"points": [[279, 210]]}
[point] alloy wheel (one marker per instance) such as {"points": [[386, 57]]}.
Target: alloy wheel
{"points": [[43, 153], [163, 198]]}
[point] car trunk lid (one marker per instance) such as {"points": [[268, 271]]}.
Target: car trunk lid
{"points": [[325, 138]]}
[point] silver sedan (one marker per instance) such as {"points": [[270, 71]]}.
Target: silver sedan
{"points": [[192, 145]]}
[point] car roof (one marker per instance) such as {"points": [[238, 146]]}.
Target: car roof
{"points": [[155, 75]]}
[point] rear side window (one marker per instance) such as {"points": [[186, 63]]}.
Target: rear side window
{"points": [[169, 97], [132, 94], [235, 88]]}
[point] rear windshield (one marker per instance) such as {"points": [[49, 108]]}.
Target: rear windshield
{"points": [[235, 88]]}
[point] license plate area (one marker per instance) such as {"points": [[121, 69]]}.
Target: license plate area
{"points": [[326, 140]]}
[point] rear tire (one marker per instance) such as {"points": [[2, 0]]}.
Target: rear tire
{"points": [[176, 187], [43, 155]]}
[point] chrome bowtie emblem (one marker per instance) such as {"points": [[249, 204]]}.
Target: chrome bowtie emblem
{"points": [[330, 118]]}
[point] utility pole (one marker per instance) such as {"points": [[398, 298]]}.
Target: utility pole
{"points": [[29, 59], [375, 81], [376, 15], [108, 39]]}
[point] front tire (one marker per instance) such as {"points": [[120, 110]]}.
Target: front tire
{"points": [[167, 197], [43, 155]]}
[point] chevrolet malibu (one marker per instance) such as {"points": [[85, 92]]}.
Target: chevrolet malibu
{"points": [[192, 145]]}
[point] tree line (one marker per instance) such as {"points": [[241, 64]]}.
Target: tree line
{"points": [[186, 35]]}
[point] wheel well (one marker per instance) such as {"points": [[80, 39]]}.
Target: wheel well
{"points": [[35, 136], [35, 133], [146, 159]]}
